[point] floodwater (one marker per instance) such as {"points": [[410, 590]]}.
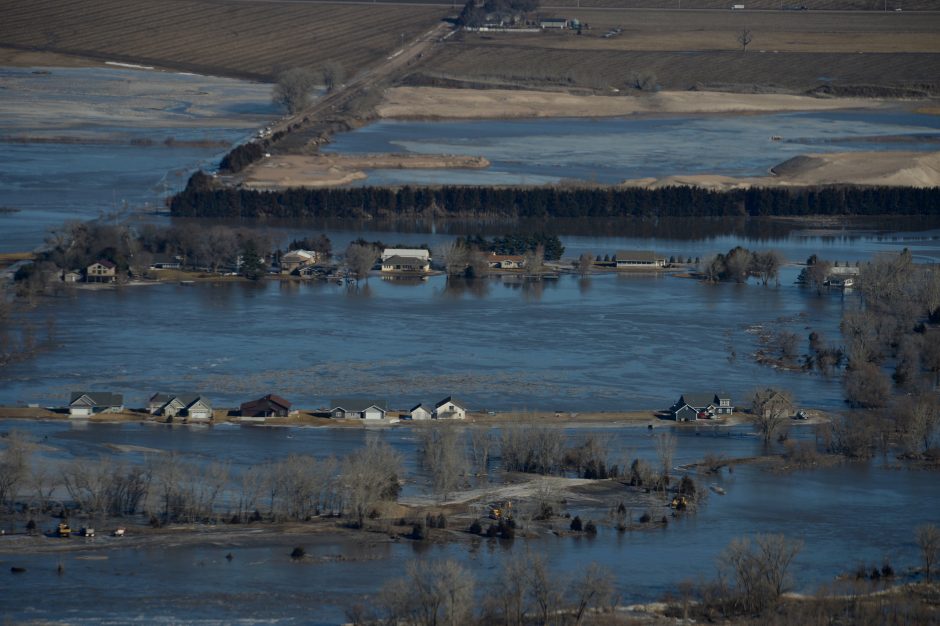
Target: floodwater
{"points": [[858, 513], [611, 150], [71, 141], [608, 342]]}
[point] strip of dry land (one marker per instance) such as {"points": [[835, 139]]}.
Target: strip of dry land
{"points": [[327, 169], [445, 103]]}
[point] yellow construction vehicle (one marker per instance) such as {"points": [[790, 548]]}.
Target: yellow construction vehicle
{"points": [[63, 530], [503, 511]]}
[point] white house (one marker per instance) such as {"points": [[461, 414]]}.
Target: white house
{"points": [[505, 261], [360, 408], [449, 408], [407, 264], [420, 412], [88, 403]]}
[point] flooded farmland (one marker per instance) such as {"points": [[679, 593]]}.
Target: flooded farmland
{"points": [[604, 342]]}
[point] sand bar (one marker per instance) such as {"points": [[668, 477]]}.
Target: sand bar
{"points": [[892, 169], [442, 103]]}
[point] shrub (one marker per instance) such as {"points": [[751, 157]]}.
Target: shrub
{"points": [[475, 527], [645, 518], [441, 521], [590, 528], [687, 486], [418, 532], [298, 553], [492, 530], [576, 524]]}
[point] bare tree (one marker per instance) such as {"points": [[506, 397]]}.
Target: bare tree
{"points": [[928, 540], [738, 264], [770, 411], [767, 266], [744, 38], [333, 75], [481, 442], [759, 569], [292, 89], [585, 263], [433, 593], [14, 464], [919, 420], [360, 258], [534, 260], [369, 476], [866, 386], [444, 455], [816, 273], [456, 258], [595, 589], [665, 451], [544, 591]]}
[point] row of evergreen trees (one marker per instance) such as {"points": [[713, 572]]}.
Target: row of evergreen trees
{"points": [[203, 198]]}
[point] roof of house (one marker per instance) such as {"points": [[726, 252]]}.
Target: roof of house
{"points": [[357, 405], [420, 253], [105, 263], [98, 398], [636, 255], [450, 400], [404, 260], [698, 400], [268, 399], [518, 258], [304, 255], [161, 397]]}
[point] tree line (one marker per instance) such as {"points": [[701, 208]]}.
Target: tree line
{"points": [[204, 197]]}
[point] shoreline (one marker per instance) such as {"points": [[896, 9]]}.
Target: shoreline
{"points": [[315, 418]]}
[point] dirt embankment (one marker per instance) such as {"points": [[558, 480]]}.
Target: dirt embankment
{"points": [[325, 170], [893, 169], [441, 103]]}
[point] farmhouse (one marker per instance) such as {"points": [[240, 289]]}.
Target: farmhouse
{"points": [[88, 403], [192, 407], [505, 261], [295, 260], [101, 271], [360, 408], [264, 407], [449, 408], [638, 258], [693, 406], [405, 264]]}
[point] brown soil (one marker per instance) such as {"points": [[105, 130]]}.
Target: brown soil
{"points": [[325, 170], [434, 102], [245, 39]]}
